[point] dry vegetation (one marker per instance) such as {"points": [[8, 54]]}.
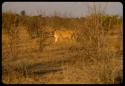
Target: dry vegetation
{"points": [[29, 54]]}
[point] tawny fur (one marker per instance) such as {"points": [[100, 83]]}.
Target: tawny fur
{"points": [[61, 35]]}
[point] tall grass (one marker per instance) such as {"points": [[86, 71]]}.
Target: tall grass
{"points": [[89, 56]]}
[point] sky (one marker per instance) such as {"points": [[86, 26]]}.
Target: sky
{"points": [[72, 9]]}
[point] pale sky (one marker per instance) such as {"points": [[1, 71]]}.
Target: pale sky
{"points": [[74, 9]]}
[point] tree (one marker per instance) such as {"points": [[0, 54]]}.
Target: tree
{"points": [[23, 13]]}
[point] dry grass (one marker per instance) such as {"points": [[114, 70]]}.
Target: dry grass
{"points": [[96, 57]]}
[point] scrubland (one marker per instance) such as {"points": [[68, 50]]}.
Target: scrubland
{"points": [[30, 55]]}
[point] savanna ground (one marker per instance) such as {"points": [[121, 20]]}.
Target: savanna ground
{"points": [[30, 55]]}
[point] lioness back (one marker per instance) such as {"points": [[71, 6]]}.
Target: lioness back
{"points": [[63, 34]]}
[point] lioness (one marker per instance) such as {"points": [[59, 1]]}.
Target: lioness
{"points": [[63, 34]]}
